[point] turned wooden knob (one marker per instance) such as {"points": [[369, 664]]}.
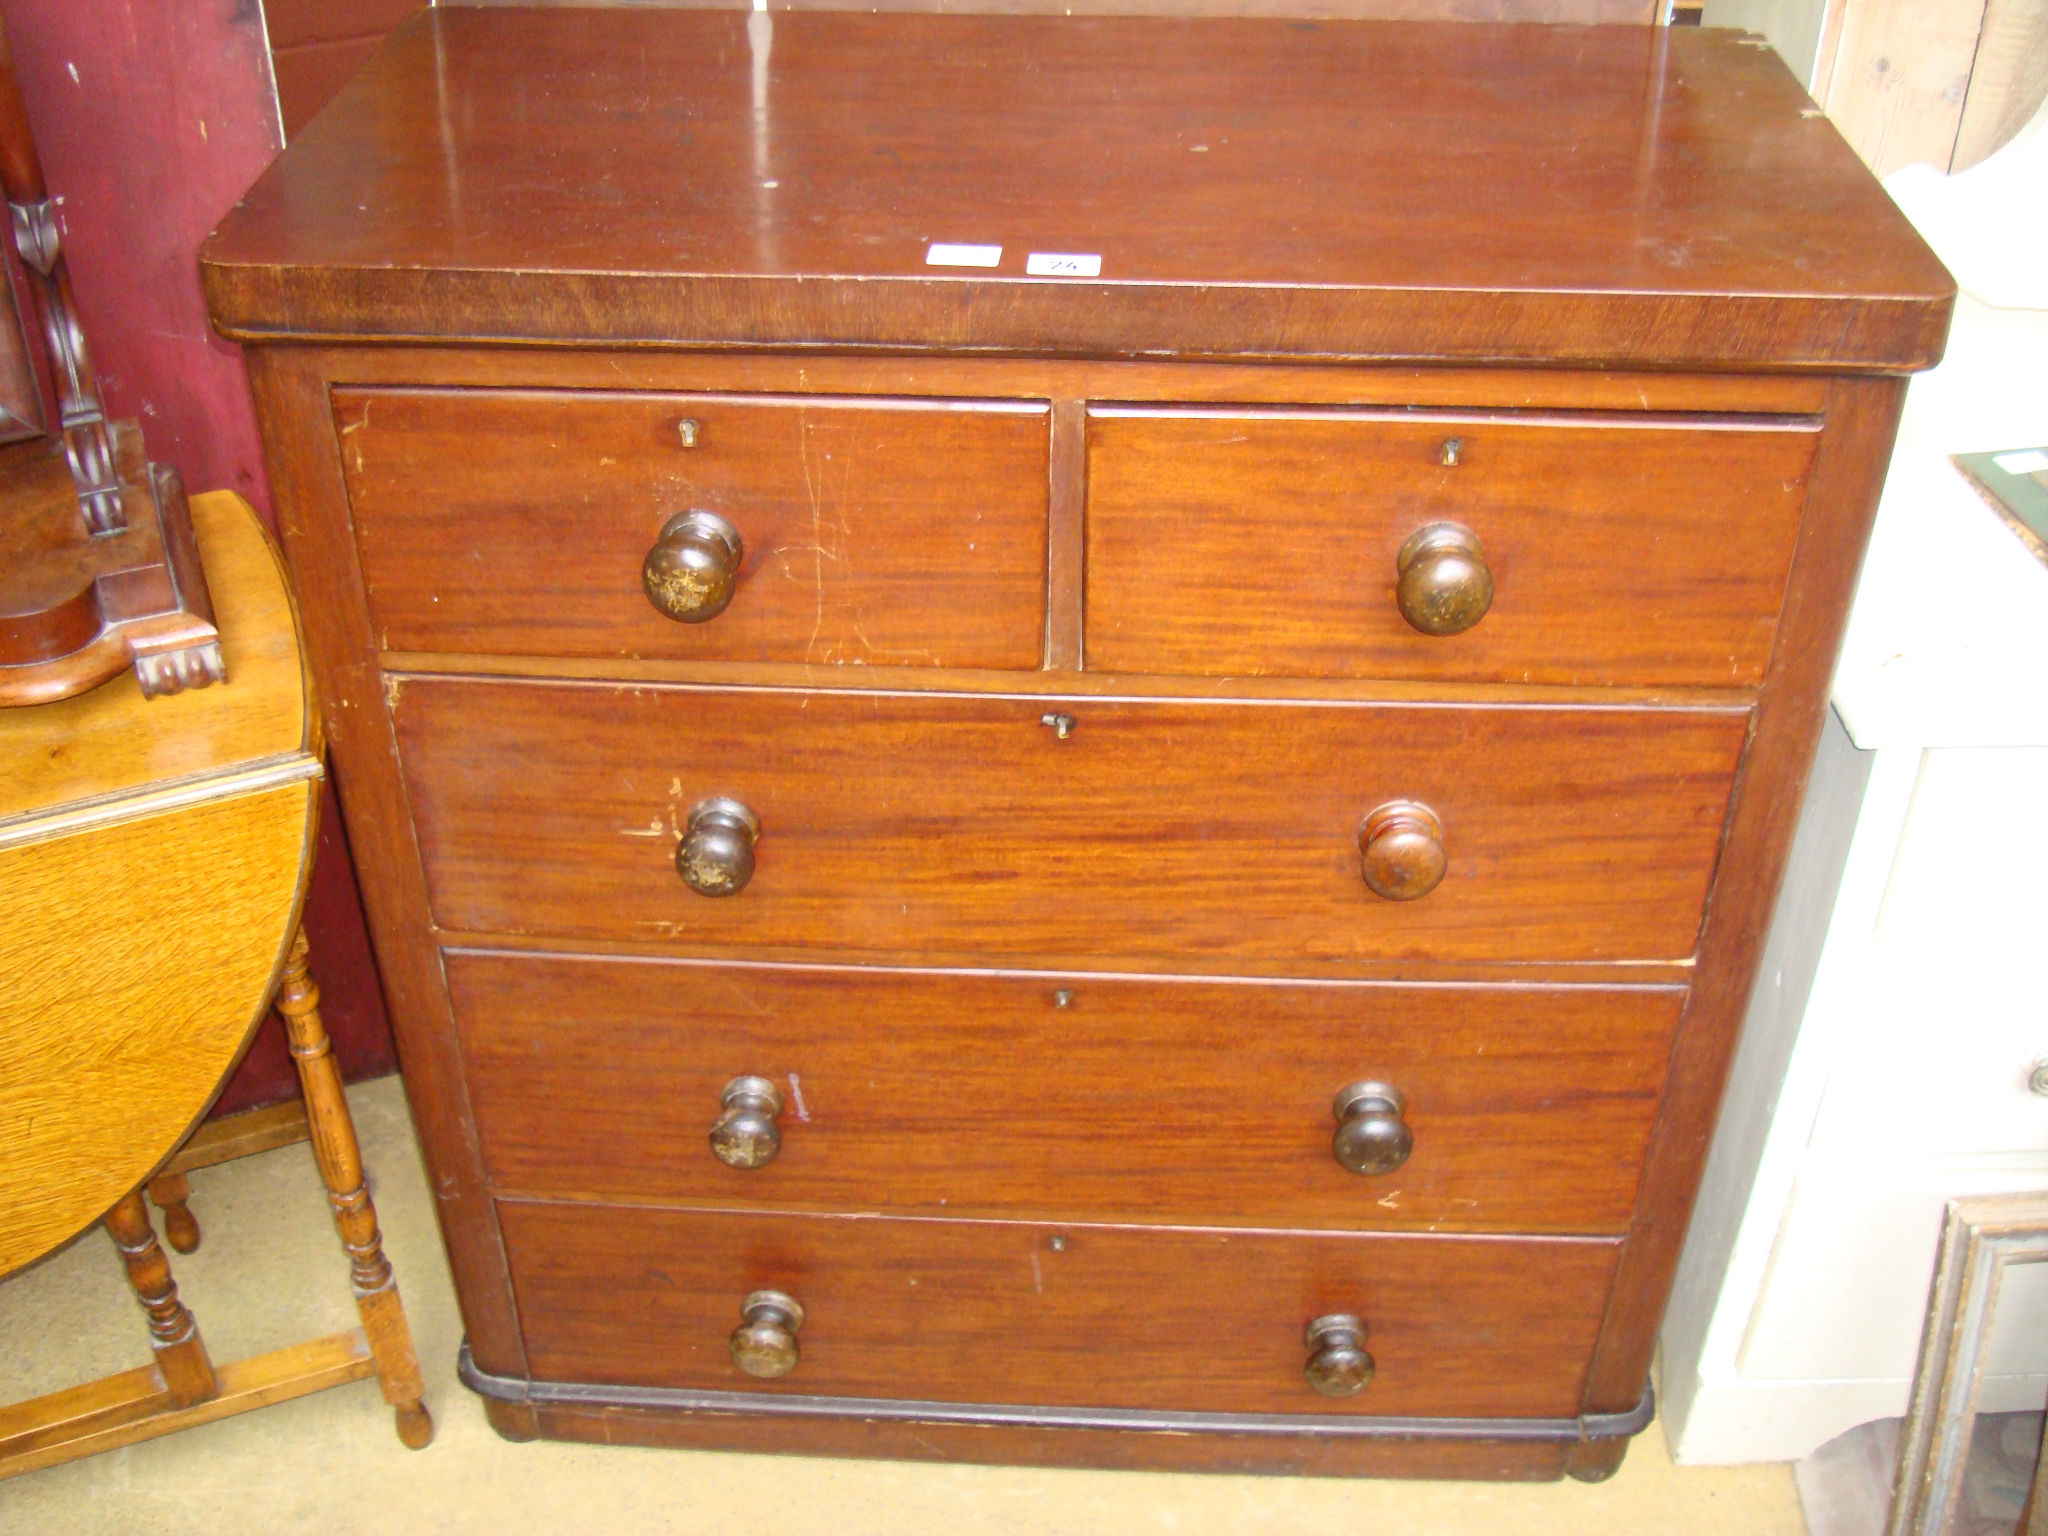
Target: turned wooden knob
{"points": [[716, 855], [1401, 846], [745, 1134], [1338, 1365], [690, 571], [1371, 1135], [764, 1344], [1443, 584]]}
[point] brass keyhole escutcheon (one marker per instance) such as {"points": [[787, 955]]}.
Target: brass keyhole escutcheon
{"points": [[690, 573], [1442, 581]]}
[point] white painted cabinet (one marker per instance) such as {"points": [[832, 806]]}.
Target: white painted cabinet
{"points": [[1884, 1065]]}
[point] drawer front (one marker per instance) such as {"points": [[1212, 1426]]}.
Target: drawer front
{"points": [[901, 532], [965, 825], [1624, 550], [1065, 1315], [1529, 1108]]}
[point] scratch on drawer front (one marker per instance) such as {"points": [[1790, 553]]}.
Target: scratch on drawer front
{"points": [[796, 1098], [803, 427], [653, 829]]}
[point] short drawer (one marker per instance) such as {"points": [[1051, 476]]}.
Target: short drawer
{"points": [[877, 531], [1060, 1314], [966, 825], [1628, 549], [1528, 1108]]}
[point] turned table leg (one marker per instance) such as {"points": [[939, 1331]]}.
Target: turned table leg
{"points": [[180, 1352], [171, 1191], [341, 1166]]}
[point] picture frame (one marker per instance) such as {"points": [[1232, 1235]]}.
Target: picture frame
{"points": [[1982, 1237]]}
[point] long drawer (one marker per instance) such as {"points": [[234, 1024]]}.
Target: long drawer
{"points": [[897, 822], [1528, 1108], [1064, 1314], [1619, 549], [877, 531]]}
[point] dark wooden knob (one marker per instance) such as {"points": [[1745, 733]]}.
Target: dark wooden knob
{"points": [[1371, 1135], [690, 571], [1401, 846], [764, 1344], [716, 855], [745, 1134], [1443, 584], [1338, 1365]]}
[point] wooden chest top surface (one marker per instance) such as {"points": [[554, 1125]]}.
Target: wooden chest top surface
{"points": [[1318, 189]]}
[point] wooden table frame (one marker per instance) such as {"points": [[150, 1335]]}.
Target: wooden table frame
{"points": [[183, 1387]]}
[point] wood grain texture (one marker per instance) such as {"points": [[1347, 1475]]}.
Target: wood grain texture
{"points": [[312, 506], [1863, 418], [181, 1356], [111, 742], [906, 821], [876, 531], [242, 1135], [1626, 549], [153, 856], [1050, 684], [1103, 1096], [138, 957], [1110, 1316], [1509, 193], [1304, 1455], [1421, 969], [1900, 76], [1653, 205], [340, 1160], [135, 1406], [2008, 80], [1066, 562], [1575, 12], [839, 373]]}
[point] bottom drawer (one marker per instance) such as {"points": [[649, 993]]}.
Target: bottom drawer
{"points": [[1176, 1318]]}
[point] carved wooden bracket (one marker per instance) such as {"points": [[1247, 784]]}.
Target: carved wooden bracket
{"points": [[98, 567]]}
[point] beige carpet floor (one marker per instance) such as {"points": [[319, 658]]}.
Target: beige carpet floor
{"points": [[270, 1272]]}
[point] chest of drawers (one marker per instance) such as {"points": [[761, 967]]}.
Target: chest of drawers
{"points": [[1151, 868]]}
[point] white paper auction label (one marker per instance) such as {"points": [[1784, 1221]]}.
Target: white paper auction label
{"points": [[941, 255], [1062, 264]]}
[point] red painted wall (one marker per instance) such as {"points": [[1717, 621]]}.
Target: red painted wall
{"points": [[152, 117]]}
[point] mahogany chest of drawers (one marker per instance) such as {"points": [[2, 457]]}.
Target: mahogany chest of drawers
{"points": [[1069, 738]]}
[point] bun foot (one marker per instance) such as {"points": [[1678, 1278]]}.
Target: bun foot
{"points": [[181, 1227], [415, 1425], [1595, 1461]]}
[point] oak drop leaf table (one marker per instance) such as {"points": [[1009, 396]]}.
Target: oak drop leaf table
{"points": [[153, 862]]}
